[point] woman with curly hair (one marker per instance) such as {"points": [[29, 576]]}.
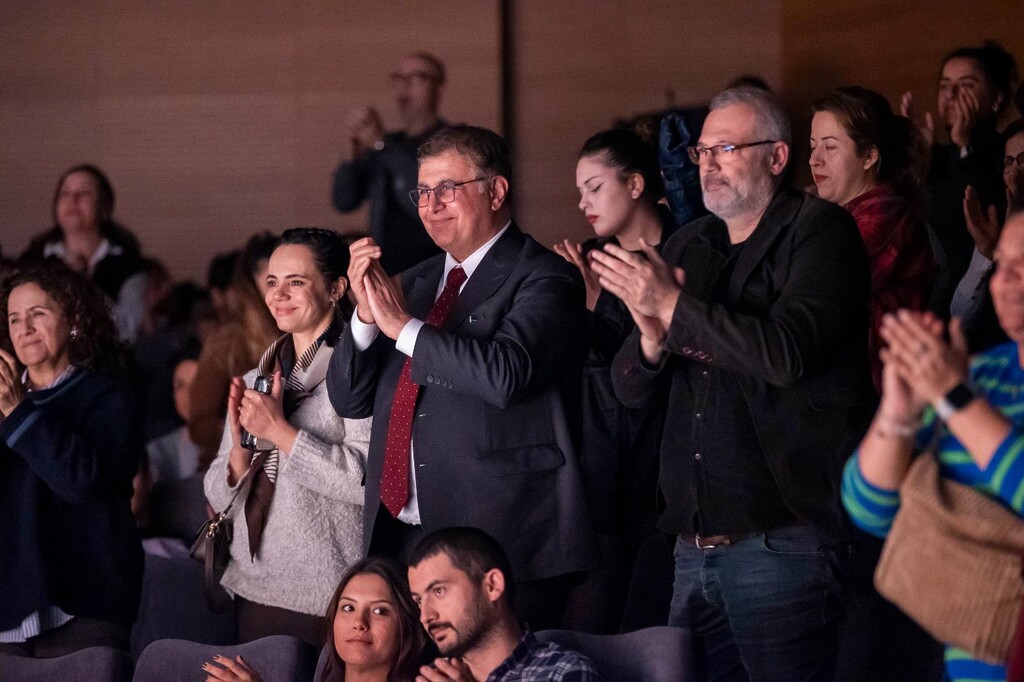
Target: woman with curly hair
{"points": [[69, 446]]}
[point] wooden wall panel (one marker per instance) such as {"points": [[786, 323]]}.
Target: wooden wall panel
{"points": [[217, 119], [214, 120], [886, 46], [579, 65]]}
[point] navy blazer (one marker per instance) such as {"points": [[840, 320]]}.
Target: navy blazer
{"points": [[67, 458], [496, 422]]}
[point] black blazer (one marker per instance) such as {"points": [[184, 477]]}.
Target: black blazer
{"points": [[797, 342], [494, 432]]}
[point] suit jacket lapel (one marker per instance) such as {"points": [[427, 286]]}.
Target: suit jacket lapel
{"points": [[424, 290], [779, 215], [489, 275]]}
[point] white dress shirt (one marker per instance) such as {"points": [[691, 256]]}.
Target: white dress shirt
{"points": [[364, 334]]}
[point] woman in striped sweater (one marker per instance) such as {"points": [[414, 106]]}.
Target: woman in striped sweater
{"points": [[980, 406]]}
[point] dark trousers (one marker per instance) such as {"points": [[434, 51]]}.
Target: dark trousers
{"points": [[256, 621], [393, 538], [75, 635], [767, 607], [878, 641]]}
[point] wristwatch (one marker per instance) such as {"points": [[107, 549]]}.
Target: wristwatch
{"points": [[959, 397]]}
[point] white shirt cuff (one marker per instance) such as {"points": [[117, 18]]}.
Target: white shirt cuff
{"points": [[363, 335], [969, 289], [406, 342]]}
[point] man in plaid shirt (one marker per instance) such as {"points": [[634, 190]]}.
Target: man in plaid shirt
{"points": [[462, 581]]}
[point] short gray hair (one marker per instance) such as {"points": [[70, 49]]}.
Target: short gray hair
{"points": [[772, 121]]}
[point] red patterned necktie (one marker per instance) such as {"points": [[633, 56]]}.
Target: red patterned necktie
{"points": [[394, 482]]}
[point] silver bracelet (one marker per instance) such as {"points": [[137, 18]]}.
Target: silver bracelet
{"points": [[889, 428]]}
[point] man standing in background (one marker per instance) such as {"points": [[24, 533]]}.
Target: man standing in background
{"points": [[381, 167]]}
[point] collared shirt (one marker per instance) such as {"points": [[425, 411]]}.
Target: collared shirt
{"points": [[104, 249], [532, 661], [57, 381], [970, 291], [364, 334], [129, 300]]}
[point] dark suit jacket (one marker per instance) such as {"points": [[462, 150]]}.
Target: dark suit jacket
{"points": [[796, 343], [494, 429]]}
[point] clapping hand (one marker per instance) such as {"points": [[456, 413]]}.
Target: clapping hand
{"points": [[983, 225], [573, 252], [11, 390], [363, 128], [1013, 177], [648, 287], [386, 301], [364, 256], [926, 364], [926, 125], [239, 458]]}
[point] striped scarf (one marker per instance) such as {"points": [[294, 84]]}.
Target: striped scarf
{"points": [[308, 371]]}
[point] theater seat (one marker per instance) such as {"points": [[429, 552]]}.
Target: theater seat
{"points": [[95, 664], [276, 659], [321, 662], [658, 654], [173, 606]]}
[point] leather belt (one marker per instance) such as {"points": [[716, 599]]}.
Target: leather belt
{"points": [[712, 541]]}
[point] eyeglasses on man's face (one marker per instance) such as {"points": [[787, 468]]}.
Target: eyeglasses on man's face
{"points": [[413, 78], [445, 192], [1011, 160], [721, 152]]}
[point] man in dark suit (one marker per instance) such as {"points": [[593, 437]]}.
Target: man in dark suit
{"points": [[754, 328], [469, 364]]}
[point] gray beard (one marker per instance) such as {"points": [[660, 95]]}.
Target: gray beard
{"points": [[758, 198]]}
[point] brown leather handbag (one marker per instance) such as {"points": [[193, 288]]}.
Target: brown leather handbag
{"points": [[952, 562], [211, 547]]}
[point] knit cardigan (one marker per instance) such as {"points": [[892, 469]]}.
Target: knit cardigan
{"points": [[67, 458], [314, 528]]}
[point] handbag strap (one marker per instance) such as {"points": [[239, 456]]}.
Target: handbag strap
{"points": [[211, 580], [238, 489]]}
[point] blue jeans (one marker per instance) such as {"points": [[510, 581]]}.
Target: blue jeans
{"points": [[764, 608]]}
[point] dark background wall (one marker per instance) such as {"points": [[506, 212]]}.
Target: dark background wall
{"points": [[218, 119]]}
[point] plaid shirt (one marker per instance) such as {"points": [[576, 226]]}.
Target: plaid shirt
{"points": [[532, 661]]}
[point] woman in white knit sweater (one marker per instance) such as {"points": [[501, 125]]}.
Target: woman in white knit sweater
{"points": [[300, 525]]}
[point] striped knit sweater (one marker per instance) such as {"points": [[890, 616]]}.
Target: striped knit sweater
{"points": [[996, 375]]}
